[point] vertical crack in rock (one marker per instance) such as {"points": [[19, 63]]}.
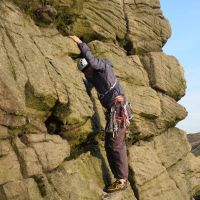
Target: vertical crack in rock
{"points": [[52, 119], [171, 177], [38, 157], [46, 67], [133, 184], [8, 56], [42, 182], [18, 53], [39, 179], [53, 123], [20, 160], [2, 192], [52, 185], [172, 165], [128, 45]]}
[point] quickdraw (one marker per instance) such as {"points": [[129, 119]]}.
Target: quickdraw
{"points": [[119, 116]]}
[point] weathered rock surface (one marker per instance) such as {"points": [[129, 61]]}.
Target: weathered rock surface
{"points": [[10, 166], [49, 146], [165, 74], [138, 24], [161, 167], [20, 190], [87, 171], [147, 29]]}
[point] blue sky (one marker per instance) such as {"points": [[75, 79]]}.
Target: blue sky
{"points": [[184, 44]]}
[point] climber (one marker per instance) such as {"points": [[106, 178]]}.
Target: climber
{"points": [[100, 74]]}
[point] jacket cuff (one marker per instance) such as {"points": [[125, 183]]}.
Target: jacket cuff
{"points": [[83, 47]]}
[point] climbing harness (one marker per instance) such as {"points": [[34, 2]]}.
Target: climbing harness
{"points": [[119, 115], [101, 96]]}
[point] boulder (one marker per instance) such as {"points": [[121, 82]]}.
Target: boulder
{"points": [[166, 157], [171, 146], [165, 74], [144, 126], [91, 20], [20, 190], [147, 29], [151, 178], [186, 174]]}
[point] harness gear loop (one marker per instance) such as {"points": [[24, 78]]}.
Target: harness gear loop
{"points": [[119, 116]]}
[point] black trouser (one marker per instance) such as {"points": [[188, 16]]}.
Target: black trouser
{"points": [[116, 149]]}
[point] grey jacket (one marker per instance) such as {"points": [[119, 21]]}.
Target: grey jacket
{"points": [[103, 78]]}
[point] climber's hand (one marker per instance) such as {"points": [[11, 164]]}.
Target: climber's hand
{"points": [[76, 39]]}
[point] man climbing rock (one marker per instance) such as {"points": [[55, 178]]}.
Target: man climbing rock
{"points": [[100, 74]]}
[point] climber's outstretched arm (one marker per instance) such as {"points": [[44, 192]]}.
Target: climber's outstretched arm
{"points": [[96, 63]]}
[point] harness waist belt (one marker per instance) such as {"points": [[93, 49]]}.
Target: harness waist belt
{"points": [[101, 96]]}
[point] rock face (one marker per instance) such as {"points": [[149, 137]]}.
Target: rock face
{"points": [[49, 146]]}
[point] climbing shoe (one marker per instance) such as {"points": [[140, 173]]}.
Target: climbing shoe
{"points": [[116, 186]]}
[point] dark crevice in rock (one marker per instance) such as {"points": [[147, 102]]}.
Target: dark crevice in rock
{"points": [[43, 183], [197, 197], [129, 48], [44, 15], [39, 179], [2, 192], [91, 37], [54, 67], [126, 43], [66, 15], [133, 184], [54, 125], [87, 145], [74, 56]]}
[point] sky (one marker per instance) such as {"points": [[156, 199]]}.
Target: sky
{"points": [[184, 44]]}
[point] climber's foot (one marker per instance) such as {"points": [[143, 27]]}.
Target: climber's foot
{"points": [[117, 186]]}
